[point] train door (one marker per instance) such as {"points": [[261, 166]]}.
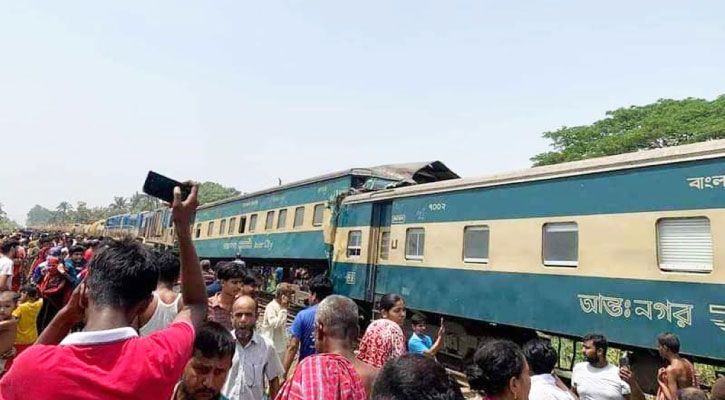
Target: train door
{"points": [[379, 245]]}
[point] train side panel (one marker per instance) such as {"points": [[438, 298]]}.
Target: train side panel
{"points": [[616, 286]]}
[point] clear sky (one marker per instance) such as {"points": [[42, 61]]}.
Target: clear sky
{"points": [[93, 94]]}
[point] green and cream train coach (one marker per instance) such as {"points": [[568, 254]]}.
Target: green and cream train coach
{"points": [[285, 225], [629, 245]]}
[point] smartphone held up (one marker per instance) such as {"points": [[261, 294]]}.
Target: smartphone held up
{"points": [[162, 188]]}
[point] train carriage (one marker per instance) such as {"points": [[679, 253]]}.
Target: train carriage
{"points": [[628, 245], [287, 224]]}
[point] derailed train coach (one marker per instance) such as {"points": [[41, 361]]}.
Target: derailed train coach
{"points": [[287, 225], [630, 245]]}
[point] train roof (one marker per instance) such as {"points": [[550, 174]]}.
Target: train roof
{"points": [[405, 173], [638, 159]]}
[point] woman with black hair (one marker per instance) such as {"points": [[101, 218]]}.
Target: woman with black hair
{"points": [[384, 337], [500, 371]]}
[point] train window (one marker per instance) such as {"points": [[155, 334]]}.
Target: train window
{"points": [[354, 243], [222, 227], [384, 245], [299, 217], [414, 243], [561, 244], [282, 219], [242, 222], [210, 229], [269, 223], [475, 244], [317, 215], [198, 230], [253, 223], [684, 244], [232, 223]]}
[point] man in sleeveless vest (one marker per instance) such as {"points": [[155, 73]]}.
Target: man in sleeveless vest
{"points": [[166, 303]]}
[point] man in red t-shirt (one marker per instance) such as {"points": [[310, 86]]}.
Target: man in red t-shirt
{"points": [[108, 360]]}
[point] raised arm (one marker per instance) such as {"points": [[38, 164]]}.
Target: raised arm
{"points": [[193, 290], [436, 347]]}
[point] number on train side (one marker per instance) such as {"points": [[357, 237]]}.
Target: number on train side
{"points": [[437, 206]]}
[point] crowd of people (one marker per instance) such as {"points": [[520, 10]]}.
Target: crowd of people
{"points": [[112, 319]]}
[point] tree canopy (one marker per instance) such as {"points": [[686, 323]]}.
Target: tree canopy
{"points": [[65, 213], [664, 123], [212, 191], [6, 224]]}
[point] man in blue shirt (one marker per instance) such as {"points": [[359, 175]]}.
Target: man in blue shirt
{"points": [[302, 330], [419, 342]]}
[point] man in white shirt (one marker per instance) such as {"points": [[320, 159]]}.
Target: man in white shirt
{"points": [[596, 379], [254, 357], [274, 322], [7, 252], [544, 384]]}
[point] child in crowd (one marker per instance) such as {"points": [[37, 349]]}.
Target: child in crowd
{"points": [[27, 314], [419, 342], [8, 328]]}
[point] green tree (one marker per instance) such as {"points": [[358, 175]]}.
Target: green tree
{"points": [[39, 215], [142, 202], [62, 212], [82, 214], [119, 205], [212, 191], [664, 123], [6, 224]]}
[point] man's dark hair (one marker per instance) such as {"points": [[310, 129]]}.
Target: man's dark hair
{"points": [[414, 377], [30, 290], [168, 265], [540, 356], [494, 364], [122, 275], [417, 319], [214, 340], [669, 340], [691, 393], [230, 270], [321, 287], [250, 278], [7, 245], [76, 249], [599, 341]]}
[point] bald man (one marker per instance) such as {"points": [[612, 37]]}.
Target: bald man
{"points": [[335, 372], [254, 357]]}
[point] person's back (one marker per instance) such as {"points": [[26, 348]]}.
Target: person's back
{"points": [[303, 328], [27, 315], [166, 303], [718, 389], [542, 359]]}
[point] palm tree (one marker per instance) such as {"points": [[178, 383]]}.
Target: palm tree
{"points": [[62, 211], [119, 204]]}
